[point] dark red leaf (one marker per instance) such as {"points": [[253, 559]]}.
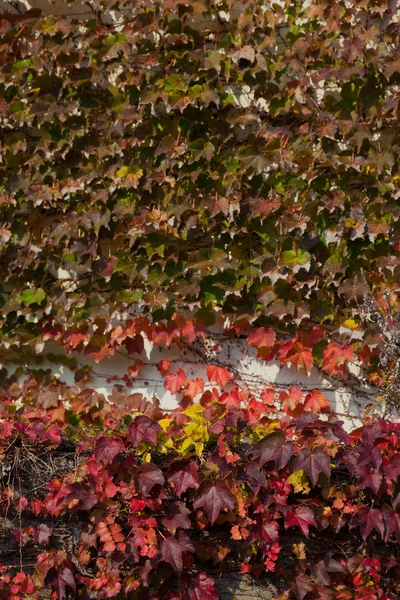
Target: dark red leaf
{"points": [[107, 448], [275, 448], [183, 476], [200, 587], [144, 428], [171, 552], [302, 517], [149, 477], [177, 517], [302, 585], [391, 520], [212, 496], [368, 519], [313, 463]]}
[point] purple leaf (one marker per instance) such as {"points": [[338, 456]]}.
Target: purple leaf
{"points": [[200, 587], [212, 496], [183, 475], [59, 580], [149, 477], [144, 428], [302, 517], [303, 586], [275, 448], [313, 463], [43, 534], [177, 517], [368, 520], [107, 448], [392, 525], [171, 552]]}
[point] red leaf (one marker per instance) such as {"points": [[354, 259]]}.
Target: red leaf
{"points": [[183, 475], [372, 478], [194, 387], [134, 344], [269, 532], [82, 492], [392, 469], [107, 448], [171, 552], [174, 382], [302, 517], [177, 517], [368, 520], [163, 366], [261, 338], [391, 520], [303, 585], [292, 400], [313, 463], [59, 580], [335, 358], [275, 448], [200, 587], [316, 402], [212, 496], [149, 477], [43, 534], [144, 428], [220, 375]]}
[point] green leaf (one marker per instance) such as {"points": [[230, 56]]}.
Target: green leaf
{"points": [[32, 296]]}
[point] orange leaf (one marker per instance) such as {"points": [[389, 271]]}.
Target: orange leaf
{"points": [[261, 338], [219, 374], [335, 357], [316, 402]]}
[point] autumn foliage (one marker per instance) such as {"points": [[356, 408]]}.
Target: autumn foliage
{"points": [[167, 167]]}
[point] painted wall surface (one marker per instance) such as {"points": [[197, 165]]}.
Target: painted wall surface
{"points": [[251, 374]]}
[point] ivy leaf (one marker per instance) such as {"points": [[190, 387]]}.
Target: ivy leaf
{"points": [[368, 519], [391, 520], [82, 492], [175, 381], [171, 552], [261, 338], [59, 580], [316, 402], [107, 448], [183, 476], [213, 496], [371, 478], [32, 296], [302, 517], [392, 468], [200, 587], [296, 260], [144, 428], [313, 463], [335, 358], [149, 477], [275, 448], [219, 375], [177, 517], [302, 585]]}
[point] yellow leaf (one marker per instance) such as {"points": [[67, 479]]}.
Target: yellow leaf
{"points": [[122, 172], [299, 481], [194, 411], [165, 423]]}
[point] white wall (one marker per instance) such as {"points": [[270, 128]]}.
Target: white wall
{"points": [[253, 374]]}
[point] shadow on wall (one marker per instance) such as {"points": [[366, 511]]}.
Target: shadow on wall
{"points": [[231, 586]]}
